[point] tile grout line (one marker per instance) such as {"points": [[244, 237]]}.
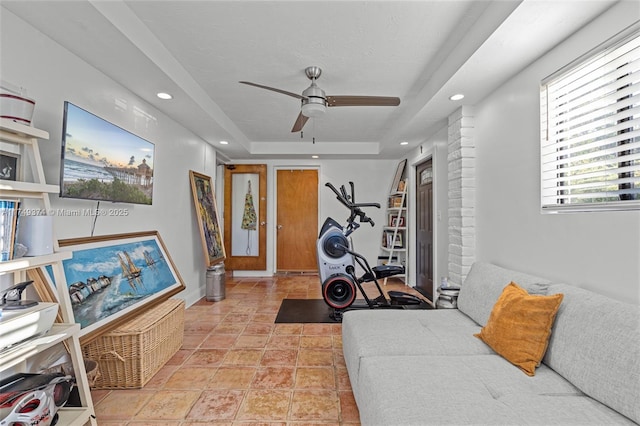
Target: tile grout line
{"points": [[265, 308]]}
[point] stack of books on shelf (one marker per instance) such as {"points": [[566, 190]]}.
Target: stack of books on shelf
{"points": [[8, 227]]}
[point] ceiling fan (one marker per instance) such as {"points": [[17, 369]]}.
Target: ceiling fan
{"points": [[315, 101]]}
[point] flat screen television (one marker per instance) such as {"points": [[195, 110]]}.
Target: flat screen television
{"points": [[101, 161]]}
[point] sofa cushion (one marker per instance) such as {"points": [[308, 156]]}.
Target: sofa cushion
{"points": [[519, 326], [484, 284], [595, 344], [471, 390], [407, 332]]}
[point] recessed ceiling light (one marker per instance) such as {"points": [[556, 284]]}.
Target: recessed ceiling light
{"points": [[314, 156], [404, 143], [224, 143], [163, 95], [456, 97]]}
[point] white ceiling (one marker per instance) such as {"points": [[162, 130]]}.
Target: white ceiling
{"points": [[419, 51]]}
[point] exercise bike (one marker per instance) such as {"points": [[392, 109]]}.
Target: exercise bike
{"points": [[337, 265]]}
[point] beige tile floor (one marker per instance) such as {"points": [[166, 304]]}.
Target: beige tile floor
{"points": [[236, 367]]}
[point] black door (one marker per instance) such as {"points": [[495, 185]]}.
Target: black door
{"points": [[424, 229]]}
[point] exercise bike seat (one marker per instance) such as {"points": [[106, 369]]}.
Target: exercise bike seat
{"points": [[402, 298], [384, 271]]}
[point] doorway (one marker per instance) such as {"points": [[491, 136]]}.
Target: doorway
{"points": [[297, 220], [424, 229], [245, 215]]}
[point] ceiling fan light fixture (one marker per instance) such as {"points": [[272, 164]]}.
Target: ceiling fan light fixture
{"points": [[313, 109], [314, 101]]}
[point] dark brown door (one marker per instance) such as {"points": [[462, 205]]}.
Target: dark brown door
{"points": [[245, 215], [424, 229], [297, 220]]}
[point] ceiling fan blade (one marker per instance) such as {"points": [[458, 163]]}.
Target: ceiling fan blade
{"points": [[273, 89], [299, 124], [334, 101]]}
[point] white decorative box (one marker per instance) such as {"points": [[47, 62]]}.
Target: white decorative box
{"points": [[14, 104], [21, 324]]}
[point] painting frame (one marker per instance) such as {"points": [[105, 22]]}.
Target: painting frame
{"points": [[204, 201], [395, 186], [398, 242], [93, 257], [9, 166], [396, 219], [394, 240]]}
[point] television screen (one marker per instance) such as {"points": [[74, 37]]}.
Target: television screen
{"points": [[101, 161]]}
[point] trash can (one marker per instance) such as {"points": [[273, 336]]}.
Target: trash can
{"points": [[447, 299], [215, 283]]}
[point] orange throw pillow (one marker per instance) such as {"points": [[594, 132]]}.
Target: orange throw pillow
{"points": [[519, 326]]}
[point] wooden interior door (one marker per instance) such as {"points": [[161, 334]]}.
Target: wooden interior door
{"points": [[245, 217], [424, 229], [297, 220]]}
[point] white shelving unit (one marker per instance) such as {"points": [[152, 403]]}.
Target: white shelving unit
{"points": [[19, 354], [394, 233], [26, 138], [24, 263]]}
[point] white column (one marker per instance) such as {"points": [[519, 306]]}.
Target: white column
{"points": [[462, 194]]}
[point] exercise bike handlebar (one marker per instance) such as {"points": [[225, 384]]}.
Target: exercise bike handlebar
{"points": [[349, 202]]}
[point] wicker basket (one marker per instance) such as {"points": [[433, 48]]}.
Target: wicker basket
{"points": [[131, 354]]}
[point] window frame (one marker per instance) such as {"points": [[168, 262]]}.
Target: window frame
{"points": [[625, 36]]}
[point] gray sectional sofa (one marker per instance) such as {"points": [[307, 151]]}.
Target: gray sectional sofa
{"points": [[420, 367]]}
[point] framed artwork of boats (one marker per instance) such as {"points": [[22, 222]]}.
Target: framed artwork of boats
{"points": [[207, 214], [113, 277]]}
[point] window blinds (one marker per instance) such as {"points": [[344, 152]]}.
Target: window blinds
{"points": [[590, 132]]}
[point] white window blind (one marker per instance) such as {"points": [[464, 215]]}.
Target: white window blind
{"points": [[590, 132]]}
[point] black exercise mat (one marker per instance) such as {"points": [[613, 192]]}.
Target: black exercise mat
{"points": [[304, 311]]}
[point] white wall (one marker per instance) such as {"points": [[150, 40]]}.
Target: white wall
{"points": [[372, 180], [598, 251], [51, 74]]}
